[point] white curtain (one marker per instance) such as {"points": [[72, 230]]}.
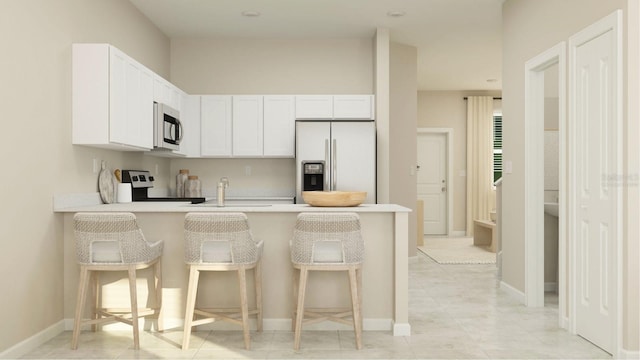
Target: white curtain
{"points": [[480, 194]]}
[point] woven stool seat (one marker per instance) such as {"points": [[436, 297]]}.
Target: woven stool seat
{"points": [[221, 242], [114, 242], [327, 242]]}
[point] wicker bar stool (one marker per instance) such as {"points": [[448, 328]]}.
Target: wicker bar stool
{"points": [[114, 242], [221, 242], [327, 242]]}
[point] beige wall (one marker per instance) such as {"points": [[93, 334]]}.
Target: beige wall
{"points": [[403, 86], [523, 38], [272, 66], [39, 160], [448, 109]]}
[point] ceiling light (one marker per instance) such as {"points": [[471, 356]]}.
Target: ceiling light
{"points": [[250, 13], [492, 80], [395, 13]]}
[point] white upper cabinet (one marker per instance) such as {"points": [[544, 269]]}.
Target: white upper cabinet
{"points": [[247, 126], [335, 107], [215, 126], [166, 93], [353, 107], [279, 126], [112, 96], [314, 107], [190, 107]]}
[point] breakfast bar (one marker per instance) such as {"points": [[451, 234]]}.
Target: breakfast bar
{"points": [[385, 268]]}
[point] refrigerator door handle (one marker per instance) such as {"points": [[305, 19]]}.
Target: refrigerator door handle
{"points": [[326, 159], [334, 165]]}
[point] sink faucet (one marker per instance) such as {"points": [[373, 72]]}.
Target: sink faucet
{"points": [[222, 186]]}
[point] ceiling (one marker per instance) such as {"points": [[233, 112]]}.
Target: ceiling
{"points": [[458, 41]]}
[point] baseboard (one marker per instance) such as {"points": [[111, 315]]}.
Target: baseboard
{"points": [[513, 292], [458, 233], [31, 343], [628, 354], [268, 324], [564, 323], [401, 329], [551, 287]]}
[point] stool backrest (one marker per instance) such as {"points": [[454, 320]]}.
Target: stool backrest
{"points": [[116, 234], [232, 229], [341, 230]]}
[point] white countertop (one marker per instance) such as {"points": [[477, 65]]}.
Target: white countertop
{"points": [[90, 203]]}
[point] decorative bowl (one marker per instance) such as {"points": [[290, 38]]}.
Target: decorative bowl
{"points": [[334, 198]]}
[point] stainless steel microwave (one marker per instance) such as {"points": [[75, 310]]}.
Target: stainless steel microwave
{"points": [[167, 128]]}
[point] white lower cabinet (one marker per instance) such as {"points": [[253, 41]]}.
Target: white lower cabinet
{"points": [[112, 99], [215, 126]]}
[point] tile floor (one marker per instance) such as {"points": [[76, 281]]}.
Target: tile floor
{"points": [[456, 312]]}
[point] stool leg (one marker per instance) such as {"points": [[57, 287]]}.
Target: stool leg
{"points": [[244, 308], [133, 293], [355, 303], [82, 294], [304, 272], [296, 279], [192, 291], [158, 287], [96, 296], [258, 284]]}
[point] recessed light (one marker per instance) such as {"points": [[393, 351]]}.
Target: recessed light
{"points": [[250, 13], [395, 13], [492, 80]]}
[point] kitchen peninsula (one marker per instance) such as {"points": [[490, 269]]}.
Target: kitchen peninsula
{"points": [[385, 270]]}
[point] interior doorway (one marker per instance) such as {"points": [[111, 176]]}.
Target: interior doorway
{"points": [[434, 179], [537, 69]]}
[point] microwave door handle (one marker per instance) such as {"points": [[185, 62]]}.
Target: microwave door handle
{"points": [[326, 160], [180, 131]]}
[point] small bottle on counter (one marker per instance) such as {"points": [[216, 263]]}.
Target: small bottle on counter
{"points": [[192, 187], [181, 178]]}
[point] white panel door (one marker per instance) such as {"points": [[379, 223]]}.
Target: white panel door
{"points": [[432, 181], [215, 126], [353, 157], [596, 158]]}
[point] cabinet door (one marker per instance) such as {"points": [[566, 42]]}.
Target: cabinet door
{"points": [[247, 126], [166, 93], [353, 107], [215, 123], [314, 107], [190, 118], [279, 126], [131, 102]]}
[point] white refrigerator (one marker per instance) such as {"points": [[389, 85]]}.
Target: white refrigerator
{"points": [[348, 149]]}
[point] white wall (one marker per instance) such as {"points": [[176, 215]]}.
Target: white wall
{"points": [[529, 28], [39, 160]]}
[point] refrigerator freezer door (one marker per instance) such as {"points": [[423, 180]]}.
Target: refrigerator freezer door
{"points": [[312, 143], [354, 151]]}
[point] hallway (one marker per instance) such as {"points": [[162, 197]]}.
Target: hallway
{"points": [[456, 311]]}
